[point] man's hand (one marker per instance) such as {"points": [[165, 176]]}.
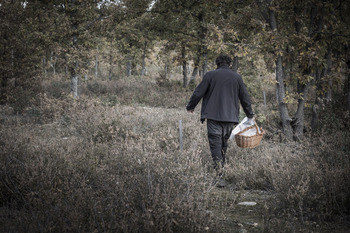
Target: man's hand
{"points": [[190, 111]]}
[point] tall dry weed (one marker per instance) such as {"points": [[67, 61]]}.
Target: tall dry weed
{"points": [[105, 169], [97, 164], [308, 178]]}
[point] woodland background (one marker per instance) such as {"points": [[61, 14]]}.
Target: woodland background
{"points": [[91, 97]]}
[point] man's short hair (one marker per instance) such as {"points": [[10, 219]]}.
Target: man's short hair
{"points": [[223, 60]]}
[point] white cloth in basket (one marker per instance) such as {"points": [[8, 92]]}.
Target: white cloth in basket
{"points": [[245, 123]]}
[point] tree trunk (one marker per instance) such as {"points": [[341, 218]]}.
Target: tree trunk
{"points": [[96, 64], [286, 121], [195, 69], [184, 67], [272, 22], [74, 66], [110, 73], [328, 72], [166, 70], [348, 89], [298, 121], [202, 49], [53, 63], [54, 67], [194, 74], [13, 59], [349, 92], [325, 71], [74, 86], [235, 64], [315, 117], [3, 89], [128, 65], [13, 68], [318, 78], [184, 73], [143, 69], [44, 66], [205, 65]]}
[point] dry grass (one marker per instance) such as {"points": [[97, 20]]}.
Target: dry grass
{"points": [[92, 165], [100, 168]]}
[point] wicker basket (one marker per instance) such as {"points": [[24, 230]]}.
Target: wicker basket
{"points": [[249, 141]]}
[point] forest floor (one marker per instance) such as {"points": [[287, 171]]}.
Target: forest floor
{"points": [[246, 211], [57, 127]]}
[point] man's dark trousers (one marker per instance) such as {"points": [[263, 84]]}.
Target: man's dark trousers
{"points": [[218, 134]]}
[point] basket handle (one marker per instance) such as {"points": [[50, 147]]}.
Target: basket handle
{"points": [[256, 126], [258, 130], [250, 127]]}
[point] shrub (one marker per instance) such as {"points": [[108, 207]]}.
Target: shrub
{"points": [[308, 178], [105, 171], [85, 165]]}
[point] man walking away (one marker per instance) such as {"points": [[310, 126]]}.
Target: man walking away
{"points": [[222, 91]]}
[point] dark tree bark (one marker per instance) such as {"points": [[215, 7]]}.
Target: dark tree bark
{"points": [[166, 70], [328, 72], [96, 64], [348, 86], [195, 69], [284, 115], [53, 63], [318, 78], [235, 64], [315, 116], [299, 118], [3, 89], [316, 23], [110, 73], [348, 90], [128, 65], [194, 74], [143, 69], [184, 66], [44, 66], [205, 64], [74, 64]]}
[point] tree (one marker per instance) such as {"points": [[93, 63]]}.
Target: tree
{"points": [[184, 25], [268, 11], [25, 29], [81, 16], [303, 54]]}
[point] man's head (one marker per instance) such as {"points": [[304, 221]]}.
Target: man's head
{"points": [[223, 60]]}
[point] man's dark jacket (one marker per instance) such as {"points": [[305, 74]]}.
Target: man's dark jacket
{"points": [[222, 90]]}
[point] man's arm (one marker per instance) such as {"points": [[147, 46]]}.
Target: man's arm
{"points": [[198, 94]]}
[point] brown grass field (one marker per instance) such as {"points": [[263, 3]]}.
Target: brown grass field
{"points": [[110, 161]]}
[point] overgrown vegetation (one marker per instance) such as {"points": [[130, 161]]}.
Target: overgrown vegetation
{"points": [[110, 161], [91, 97]]}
